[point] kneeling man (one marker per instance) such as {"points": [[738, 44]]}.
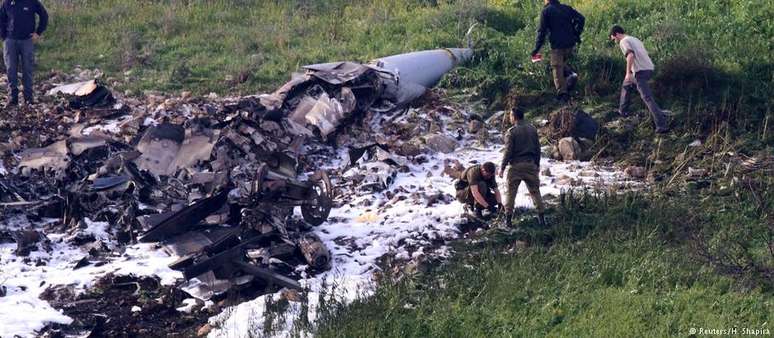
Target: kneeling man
{"points": [[477, 188]]}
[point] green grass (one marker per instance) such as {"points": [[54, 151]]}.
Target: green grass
{"points": [[195, 45], [620, 266]]}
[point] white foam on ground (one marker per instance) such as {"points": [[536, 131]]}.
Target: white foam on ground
{"points": [[22, 312], [368, 227]]}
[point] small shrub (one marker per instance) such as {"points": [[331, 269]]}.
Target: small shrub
{"points": [[601, 75]]}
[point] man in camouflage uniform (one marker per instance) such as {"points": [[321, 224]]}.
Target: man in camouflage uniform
{"points": [[477, 188], [522, 153]]}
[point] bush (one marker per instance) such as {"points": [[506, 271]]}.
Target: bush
{"points": [[690, 73]]}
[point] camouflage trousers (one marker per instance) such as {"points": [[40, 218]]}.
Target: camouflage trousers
{"points": [[527, 172]]}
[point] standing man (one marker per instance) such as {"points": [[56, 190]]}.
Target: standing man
{"points": [[522, 152], [477, 188], [20, 31], [564, 25], [639, 69]]}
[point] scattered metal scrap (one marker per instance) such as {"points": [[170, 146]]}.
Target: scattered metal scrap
{"points": [[217, 182]]}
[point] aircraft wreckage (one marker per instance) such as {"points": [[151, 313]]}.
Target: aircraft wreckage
{"points": [[218, 190]]}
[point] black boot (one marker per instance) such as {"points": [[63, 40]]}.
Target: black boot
{"points": [[541, 220]]}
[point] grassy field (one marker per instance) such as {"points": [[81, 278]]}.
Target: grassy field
{"points": [[620, 266], [247, 46], [656, 264], [237, 46]]}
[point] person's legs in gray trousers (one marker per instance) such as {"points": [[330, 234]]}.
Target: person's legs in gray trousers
{"points": [[625, 99], [640, 83], [11, 58], [28, 67], [13, 50]]}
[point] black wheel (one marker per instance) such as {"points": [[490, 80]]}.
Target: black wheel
{"points": [[318, 205]]}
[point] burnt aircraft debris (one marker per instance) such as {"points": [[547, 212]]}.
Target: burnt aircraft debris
{"points": [[214, 181]]}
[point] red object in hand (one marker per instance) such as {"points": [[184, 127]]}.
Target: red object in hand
{"points": [[537, 57]]}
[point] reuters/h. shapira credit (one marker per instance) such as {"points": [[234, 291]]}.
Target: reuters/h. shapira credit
{"points": [[746, 331]]}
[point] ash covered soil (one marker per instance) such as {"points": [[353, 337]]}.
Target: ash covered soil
{"points": [[81, 181]]}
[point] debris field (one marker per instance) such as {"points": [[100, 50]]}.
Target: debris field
{"points": [[244, 195]]}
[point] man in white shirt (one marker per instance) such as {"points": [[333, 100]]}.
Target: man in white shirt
{"points": [[639, 69]]}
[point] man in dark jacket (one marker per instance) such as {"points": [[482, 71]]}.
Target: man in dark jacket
{"points": [[20, 31], [522, 152], [564, 25]]}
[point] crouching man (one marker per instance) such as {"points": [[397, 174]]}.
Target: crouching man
{"points": [[477, 189], [522, 153]]}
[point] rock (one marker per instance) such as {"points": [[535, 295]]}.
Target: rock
{"points": [[635, 172], [153, 100], [586, 145], [569, 149], [185, 95], [696, 143], [409, 149], [26, 241], [416, 266], [474, 126], [620, 126], [589, 173], [291, 295], [546, 172], [203, 330], [519, 246], [565, 180], [482, 137], [453, 168], [554, 153], [441, 143]]}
